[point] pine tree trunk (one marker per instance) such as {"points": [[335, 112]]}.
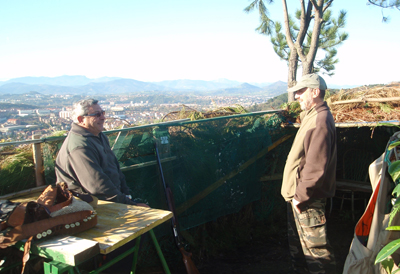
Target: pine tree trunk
{"points": [[292, 71]]}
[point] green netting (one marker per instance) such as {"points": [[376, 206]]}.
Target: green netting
{"points": [[213, 166], [224, 173]]}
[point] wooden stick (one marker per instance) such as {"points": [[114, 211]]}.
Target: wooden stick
{"points": [[145, 164], [364, 124], [221, 181], [26, 192], [38, 160], [364, 100]]}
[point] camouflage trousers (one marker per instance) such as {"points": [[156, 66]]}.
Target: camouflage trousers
{"points": [[308, 243]]}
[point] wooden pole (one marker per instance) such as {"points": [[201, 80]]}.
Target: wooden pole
{"points": [[38, 161], [365, 100], [194, 200]]}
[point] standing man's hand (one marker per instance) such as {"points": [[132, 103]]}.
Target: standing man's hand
{"points": [[295, 203]]}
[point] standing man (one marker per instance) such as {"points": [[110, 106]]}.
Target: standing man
{"points": [[86, 162], [309, 178]]}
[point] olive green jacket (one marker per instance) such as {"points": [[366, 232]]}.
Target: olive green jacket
{"points": [[87, 164]]}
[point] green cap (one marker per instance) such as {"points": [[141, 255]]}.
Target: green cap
{"points": [[312, 80]]}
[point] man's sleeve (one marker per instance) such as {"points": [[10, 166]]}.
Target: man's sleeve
{"points": [[85, 164], [124, 187], [318, 146]]}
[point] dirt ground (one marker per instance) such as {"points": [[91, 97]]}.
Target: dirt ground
{"points": [[271, 254]]}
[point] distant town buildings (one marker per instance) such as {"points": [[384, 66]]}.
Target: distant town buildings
{"points": [[126, 110]]}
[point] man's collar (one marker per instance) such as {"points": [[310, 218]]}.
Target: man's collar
{"points": [[317, 106], [81, 130]]}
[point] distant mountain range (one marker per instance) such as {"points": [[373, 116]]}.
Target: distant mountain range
{"points": [[81, 85], [113, 85]]}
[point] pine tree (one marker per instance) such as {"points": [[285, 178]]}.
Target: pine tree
{"points": [[298, 42], [385, 4]]}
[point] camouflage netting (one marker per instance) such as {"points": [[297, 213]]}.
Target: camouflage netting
{"points": [[213, 166], [225, 173]]}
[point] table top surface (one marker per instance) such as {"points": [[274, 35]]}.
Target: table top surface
{"points": [[117, 224]]}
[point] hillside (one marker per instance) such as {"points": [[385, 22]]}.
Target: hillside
{"points": [[275, 89], [244, 88], [81, 85], [8, 106], [77, 80], [273, 103]]}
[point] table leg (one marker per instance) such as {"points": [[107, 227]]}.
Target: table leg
{"points": [[135, 255], [116, 259], [160, 254], [54, 267]]}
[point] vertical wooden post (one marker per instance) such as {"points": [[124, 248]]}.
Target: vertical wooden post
{"points": [[38, 161]]}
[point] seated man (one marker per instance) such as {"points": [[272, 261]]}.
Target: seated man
{"points": [[86, 162]]}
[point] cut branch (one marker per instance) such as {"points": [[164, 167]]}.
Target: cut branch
{"points": [[365, 100]]}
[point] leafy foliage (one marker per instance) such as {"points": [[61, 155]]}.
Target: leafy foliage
{"points": [[395, 210], [273, 103], [17, 171], [293, 108], [59, 133], [394, 170], [384, 256]]}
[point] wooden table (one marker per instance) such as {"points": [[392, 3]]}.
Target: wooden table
{"points": [[117, 225]]}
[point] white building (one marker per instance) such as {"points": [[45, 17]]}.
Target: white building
{"points": [[65, 114], [26, 112]]}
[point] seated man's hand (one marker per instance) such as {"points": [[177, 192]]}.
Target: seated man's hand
{"points": [[143, 205]]}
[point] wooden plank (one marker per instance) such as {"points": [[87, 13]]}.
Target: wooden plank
{"points": [[24, 195], [70, 250], [194, 200], [365, 100], [121, 143], [354, 186], [145, 164], [119, 224], [38, 161]]}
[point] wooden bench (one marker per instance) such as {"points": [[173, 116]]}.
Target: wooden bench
{"points": [[354, 186]]}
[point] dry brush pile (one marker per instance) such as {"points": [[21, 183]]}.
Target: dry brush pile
{"points": [[366, 104]]}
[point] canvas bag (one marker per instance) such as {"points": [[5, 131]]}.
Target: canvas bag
{"points": [[55, 212], [370, 234]]}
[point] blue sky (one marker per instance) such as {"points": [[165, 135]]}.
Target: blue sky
{"points": [[179, 39]]}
